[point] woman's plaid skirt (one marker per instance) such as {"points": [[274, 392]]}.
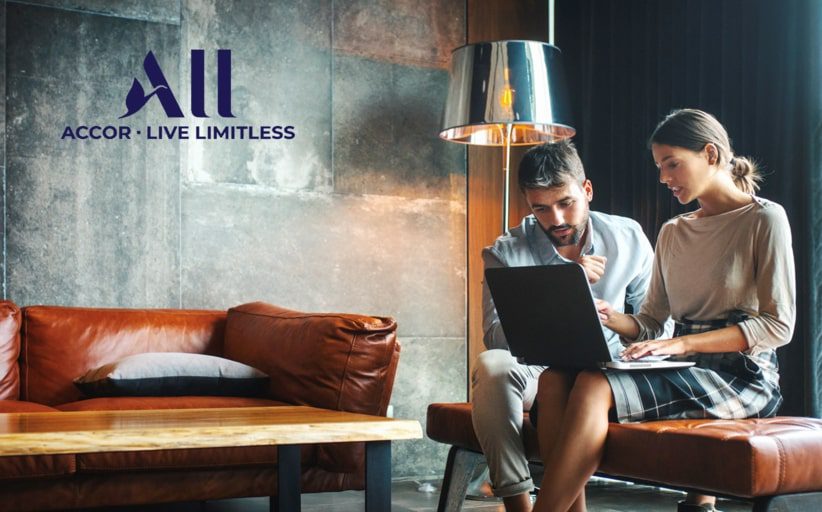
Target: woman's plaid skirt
{"points": [[729, 385]]}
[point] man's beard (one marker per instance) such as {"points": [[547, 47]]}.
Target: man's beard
{"points": [[572, 239]]}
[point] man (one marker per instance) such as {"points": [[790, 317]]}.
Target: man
{"points": [[617, 258]]}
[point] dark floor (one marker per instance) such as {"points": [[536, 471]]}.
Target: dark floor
{"points": [[603, 496]]}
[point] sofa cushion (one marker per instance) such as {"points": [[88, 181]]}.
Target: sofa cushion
{"points": [[60, 343], [16, 467], [126, 403], [173, 374], [12, 406], [9, 350], [203, 458], [331, 360]]}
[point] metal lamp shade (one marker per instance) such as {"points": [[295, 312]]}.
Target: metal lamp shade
{"points": [[507, 86]]}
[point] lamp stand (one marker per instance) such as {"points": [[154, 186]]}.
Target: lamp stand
{"points": [[506, 171]]}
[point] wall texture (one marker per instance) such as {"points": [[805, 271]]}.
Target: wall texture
{"points": [[364, 210]]}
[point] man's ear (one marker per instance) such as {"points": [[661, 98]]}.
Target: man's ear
{"points": [[588, 188]]}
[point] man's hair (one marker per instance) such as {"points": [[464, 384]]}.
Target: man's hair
{"points": [[555, 164]]}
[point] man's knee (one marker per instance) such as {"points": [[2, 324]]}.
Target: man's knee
{"points": [[494, 365]]}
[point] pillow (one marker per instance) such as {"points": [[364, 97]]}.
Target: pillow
{"points": [[173, 374]]}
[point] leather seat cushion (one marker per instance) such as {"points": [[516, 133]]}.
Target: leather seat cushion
{"points": [[10, 406], [746, 458], [205, 458], [753, 457], [34, 465]]}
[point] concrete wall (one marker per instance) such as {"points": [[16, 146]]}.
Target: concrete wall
{"points": [[363, 211]]}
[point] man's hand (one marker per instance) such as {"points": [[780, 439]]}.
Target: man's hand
{"points": [[594, 266]]}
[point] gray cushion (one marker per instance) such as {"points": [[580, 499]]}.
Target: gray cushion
{"points": [[173, 374]]}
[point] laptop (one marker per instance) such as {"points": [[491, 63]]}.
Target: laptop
{"points": [[549, 318]]}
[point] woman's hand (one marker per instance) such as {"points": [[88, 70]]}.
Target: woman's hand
{"points": [[605, 311], [673, 346], [620, 323]]}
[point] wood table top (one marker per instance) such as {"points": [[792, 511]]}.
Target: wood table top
{"points": [[39, 433]]}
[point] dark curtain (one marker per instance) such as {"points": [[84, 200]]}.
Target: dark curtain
{"points": [[755, 64]]}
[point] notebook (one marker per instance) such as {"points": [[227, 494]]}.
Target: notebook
{"points": [[548, 316]]}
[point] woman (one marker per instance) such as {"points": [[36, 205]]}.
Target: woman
{"points": [[725, 273]]}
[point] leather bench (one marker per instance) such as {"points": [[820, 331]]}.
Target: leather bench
{"points": [[776, 463]]}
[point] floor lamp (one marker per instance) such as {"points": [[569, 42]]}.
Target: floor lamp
{"points": [[507, 93]]}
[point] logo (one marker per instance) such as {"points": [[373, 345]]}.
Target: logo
{"points": [[137, 97], [159, 88]]}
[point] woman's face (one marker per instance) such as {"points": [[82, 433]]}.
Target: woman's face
{"points": [[686, 173]]}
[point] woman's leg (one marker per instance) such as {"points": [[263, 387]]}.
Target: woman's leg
{"points": [[552, 395], [578, 442]]}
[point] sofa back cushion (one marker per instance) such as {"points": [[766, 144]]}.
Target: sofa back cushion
{"points": [[330, 360], [9, 350], [60, 343]]}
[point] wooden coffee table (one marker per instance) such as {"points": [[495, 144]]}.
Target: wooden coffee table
{"points": [[287, 427]]}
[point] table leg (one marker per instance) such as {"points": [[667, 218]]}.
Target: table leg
{"points": [[378, 476], [288, 479]]}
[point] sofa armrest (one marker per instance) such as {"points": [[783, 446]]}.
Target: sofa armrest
{"points": [[331, 360]]}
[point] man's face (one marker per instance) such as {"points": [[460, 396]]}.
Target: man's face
{"points": [[562, 211]]}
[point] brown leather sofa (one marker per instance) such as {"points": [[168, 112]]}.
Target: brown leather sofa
{"points": [[776, 463], [334, 361]]}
